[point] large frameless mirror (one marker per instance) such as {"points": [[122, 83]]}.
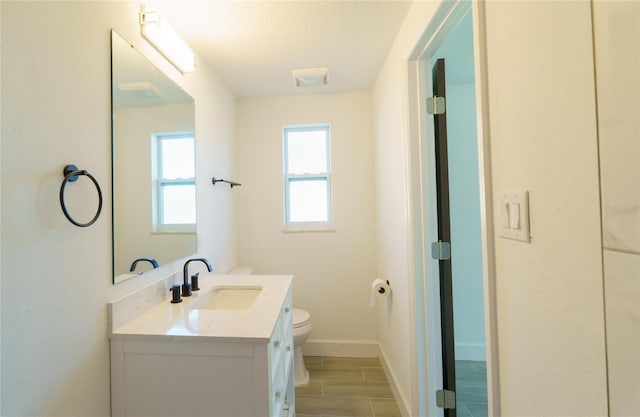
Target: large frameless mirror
{"points": [[154, 192]]}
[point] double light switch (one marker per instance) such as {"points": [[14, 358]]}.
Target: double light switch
{"points": [[513, 215]]}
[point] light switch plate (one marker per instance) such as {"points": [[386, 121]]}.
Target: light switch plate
{"points": [[514, 225]]}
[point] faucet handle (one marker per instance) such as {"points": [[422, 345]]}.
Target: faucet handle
{"points": [[194, 281], [175, 294], [186, 290]]}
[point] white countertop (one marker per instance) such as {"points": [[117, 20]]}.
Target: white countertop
{"points": [[256, 323]]}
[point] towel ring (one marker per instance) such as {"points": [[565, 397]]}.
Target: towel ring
{"points": [[71, 174]]}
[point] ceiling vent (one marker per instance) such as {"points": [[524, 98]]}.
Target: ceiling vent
{"points": [[142, 88]]}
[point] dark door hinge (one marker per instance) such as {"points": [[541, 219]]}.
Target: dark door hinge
{"points": [[441, 250], [445, 399], [435, 105]]}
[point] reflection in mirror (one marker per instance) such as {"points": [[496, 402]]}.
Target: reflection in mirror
{"points": [[154, 193]]}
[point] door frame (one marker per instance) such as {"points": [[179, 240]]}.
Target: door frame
{"points": [[427, 354]]}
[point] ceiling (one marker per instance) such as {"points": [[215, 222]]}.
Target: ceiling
{"points": [[254, 45]]}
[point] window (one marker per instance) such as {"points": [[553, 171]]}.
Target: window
{"points": [[307, 178], [175, 183]]}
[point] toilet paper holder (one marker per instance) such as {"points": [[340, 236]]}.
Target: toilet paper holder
{"points": [[382, 290], [379, 289]]}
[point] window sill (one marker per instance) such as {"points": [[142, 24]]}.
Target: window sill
{"points": [[173, 232], [309, 230]]}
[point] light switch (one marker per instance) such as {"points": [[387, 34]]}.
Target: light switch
{"points": [[514, 216], [513, 213]]}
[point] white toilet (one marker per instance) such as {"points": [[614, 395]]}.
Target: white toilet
{"points": [[301, 329]]}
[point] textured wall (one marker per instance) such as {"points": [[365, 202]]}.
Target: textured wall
{"points": [[390, 104], [56, 278], [550, 312], [549, 295], [333, 270]]}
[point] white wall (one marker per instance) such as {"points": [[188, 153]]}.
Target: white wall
{"points": [[333, 270], [543, 139], [549, 293], [0, 218], [57, 277], [390, 101], [617, 48]]}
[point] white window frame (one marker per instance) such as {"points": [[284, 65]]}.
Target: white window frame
{"points": [[159, 226], [296, 226]]}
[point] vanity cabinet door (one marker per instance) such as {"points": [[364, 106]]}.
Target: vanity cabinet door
{"points": [[150, 378], [281, 363], [287, 325]]}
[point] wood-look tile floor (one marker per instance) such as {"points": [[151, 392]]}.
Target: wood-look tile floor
{"points": [[345, 387], [471, 389]]}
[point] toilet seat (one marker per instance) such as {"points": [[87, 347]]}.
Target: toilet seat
{"points": [[300, 318]]}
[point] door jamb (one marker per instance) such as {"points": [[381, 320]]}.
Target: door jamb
{"points": [[427, 374]]}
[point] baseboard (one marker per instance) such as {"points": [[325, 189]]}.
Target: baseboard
{"points": [[471, 352], [341, 348], [401, 401]]}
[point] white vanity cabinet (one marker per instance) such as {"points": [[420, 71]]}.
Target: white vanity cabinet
{"points": [[205, 376], [280, 358]]}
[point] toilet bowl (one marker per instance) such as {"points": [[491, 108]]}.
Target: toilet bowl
{"points": [[301, 329]]}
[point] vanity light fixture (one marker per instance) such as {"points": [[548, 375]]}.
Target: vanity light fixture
{"points": [[310, 77], [155, 28]]}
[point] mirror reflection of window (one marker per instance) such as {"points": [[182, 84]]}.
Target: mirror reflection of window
{"points": [[175, 182]]}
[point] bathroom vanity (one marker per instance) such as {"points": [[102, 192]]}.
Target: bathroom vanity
{"points": [[225, 351]]}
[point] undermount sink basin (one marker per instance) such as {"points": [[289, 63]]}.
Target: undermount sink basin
{"points": [[228, 297]]}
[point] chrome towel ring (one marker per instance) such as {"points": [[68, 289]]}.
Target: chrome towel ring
{"points": [[71, 174]]}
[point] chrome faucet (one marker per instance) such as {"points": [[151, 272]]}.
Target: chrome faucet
{"points": [[150, 260], [186, 286]]}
